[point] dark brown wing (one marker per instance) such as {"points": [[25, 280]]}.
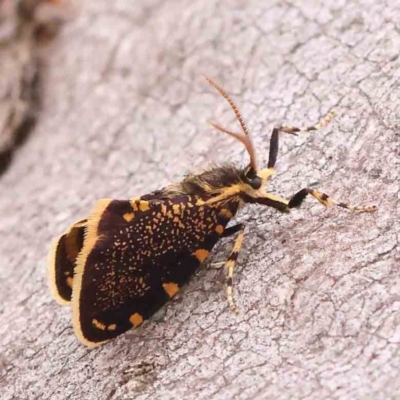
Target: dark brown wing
{"points": [[62, 258], [136, 256]]}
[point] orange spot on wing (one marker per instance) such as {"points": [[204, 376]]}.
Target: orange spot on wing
{"points": [[171, 288], [136, 319], [201, 254], [98, 324], [144, 205], [226, 213], [129, 216], [219, 229], [70, 281]]}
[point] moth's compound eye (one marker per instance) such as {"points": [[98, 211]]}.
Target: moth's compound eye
{"points": [[255, 183], [252, 179]]}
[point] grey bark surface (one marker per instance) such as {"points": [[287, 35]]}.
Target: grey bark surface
{"points": [[124, 113], [25, 27]]}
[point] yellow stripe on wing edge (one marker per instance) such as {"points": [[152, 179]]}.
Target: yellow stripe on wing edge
{"points": [[51, 263], [51, 270], [88, 245]]}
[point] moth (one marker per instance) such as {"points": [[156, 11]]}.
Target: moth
{"points": [[124, 261]]}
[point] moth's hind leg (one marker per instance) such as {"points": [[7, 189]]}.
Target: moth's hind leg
{"points": [[231, 261], [293, 130], [325, 200], [227, 232]]}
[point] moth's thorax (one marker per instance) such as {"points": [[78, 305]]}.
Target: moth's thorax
{"points": [[223, 183], [211, 182]]}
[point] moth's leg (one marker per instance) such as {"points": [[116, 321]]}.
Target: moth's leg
{"points": [[293, 130], [324, 199], [270, 200], [232, 230], [227, 232], [230, 265]]}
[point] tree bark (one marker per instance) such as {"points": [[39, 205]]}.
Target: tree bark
{"points": [[26, 27], [123, 113]]}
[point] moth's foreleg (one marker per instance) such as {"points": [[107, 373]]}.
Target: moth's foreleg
{"points": [[325, 200], [270, 200], [293, 130], [231, 262]]}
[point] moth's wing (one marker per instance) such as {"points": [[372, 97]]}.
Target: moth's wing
{"points": [[62, 258], [136, 256]]}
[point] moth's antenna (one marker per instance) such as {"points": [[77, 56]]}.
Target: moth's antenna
{"points": [[245, 139]]}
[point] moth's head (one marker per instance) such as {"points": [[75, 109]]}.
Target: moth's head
{"points": [[253, 180]]}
